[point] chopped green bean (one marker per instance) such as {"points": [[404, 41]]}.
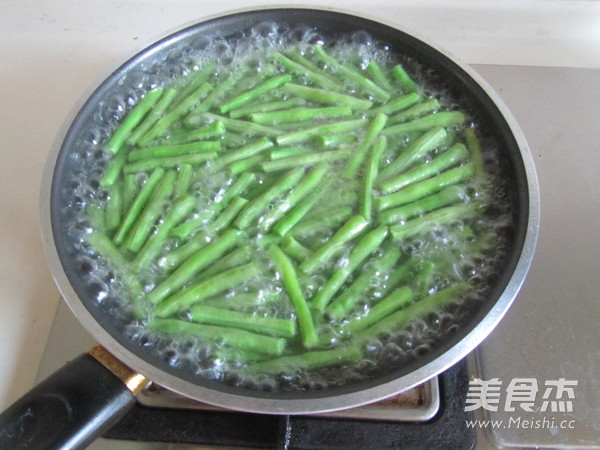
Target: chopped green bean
{"points": [[306, 159], [440, 119], [352, 228], [167, 162], [292, 287], [153, 245], [395, 105], [376, 73], [417, 149], [195, 264], [375, 126], [273, 326], [366, 204], [323, 96], [229, 214], [423, 279], [205, 289], [298, 114], [175, 257], [424, 188], [133, 119], [130, 190], [441, 162], [214, 129], [334, 140], [415, 111], [286, 152], [352, 74], [445, 197], [184, 180], [153, 116], [314, 77], [199, 77], [239, 256], [143, 225], [247, 151], [238, 126], [322, 222], [253, 93], [397, 299], [280, 105], [400, 75], [174, 150], [367, 245], [295, 249], [114, 168], [230, 336], [245, 164], [298, 136], [138, 205], [113, 206], [439, 217], [257, 206]]}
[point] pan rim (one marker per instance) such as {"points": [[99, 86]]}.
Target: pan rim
{"points": [[321, 404]]}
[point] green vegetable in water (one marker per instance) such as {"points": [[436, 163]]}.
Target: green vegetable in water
{"points": [[301, 187]]}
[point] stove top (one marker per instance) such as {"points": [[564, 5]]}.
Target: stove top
{"points": [[549, 334]]}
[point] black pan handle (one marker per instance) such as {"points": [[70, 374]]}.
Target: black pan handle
{"points": [[70, 408]]}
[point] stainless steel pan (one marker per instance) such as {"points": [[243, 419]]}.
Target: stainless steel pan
{"points": [[56, 412]]}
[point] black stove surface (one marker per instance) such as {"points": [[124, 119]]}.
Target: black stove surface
{"points": [[447, 430]]}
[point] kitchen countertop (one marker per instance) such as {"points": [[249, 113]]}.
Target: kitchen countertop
{"points": [[53, 53]]}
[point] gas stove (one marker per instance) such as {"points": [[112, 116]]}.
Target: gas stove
{"points": [[549, 334]]}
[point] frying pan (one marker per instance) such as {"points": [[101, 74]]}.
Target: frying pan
{"points": [[92, 392]]}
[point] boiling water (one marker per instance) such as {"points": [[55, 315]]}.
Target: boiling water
{"points": [[211, 360]]}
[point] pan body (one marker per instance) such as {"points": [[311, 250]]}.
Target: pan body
{"points": [[470, 90]]}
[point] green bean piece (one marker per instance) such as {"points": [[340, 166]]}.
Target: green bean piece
{"points": [[130, 190], [239, 256], [307, 159], [370, 176], [193, 265], [397, 276], [199, 77], [334, 140], [113, 206], [376, 268], [143, 225], [219, 92], [415, 111], [424, 188], [153, 116], [351, 229], [367, 245], [400, 75], [397, 104], [417, 149], [167, 162], [294, 55], [255, 92], [161, 127], [273, 326], [257, 206], [280, 105], [373, 130], [308, 360], [439, 217], [237, 188], [298, 69], [440, 119], [476, 156], [375, 71], [174, 150], [105, 248], [397, 299], [441, 162], [352, 74], [295, 249], [245, 302], [138, 205], [289, 221], [246, 164], [287, 152], [237, 355], [445, 197], [241, 339], [257, 146], [289, 277], [323, 96], [154, 244], [133, 119], [114, 168], [307, 185], [229, 214], [295, 137], [205, 289], [428, 305], [184, 181], [237, 126], [423, 279], [299, 114], [322, 222], [175, 257], [214, 129]]}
